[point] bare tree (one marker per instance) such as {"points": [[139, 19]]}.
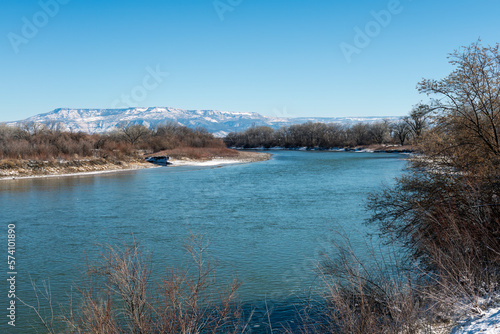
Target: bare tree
{"points": [[32, 127], [54, 126], [445, 210], [469, 98], [133, 132], [418, 119], [379, 131], [358, 134], [401, 131]]}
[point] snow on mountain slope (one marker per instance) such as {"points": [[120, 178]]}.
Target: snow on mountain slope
{"points": [[218, 122]]}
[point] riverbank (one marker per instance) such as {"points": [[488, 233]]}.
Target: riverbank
{"points": [[378, 148], [383, 148], [25, 169], [241, 158], [16, 169]]}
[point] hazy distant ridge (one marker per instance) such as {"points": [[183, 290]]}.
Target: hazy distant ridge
{"points": [[218, 122]]}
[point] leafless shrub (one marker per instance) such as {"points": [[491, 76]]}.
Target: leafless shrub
{"points": [[464, 260], [45, 314], [189, 302], [119, 296], [365, 296]]}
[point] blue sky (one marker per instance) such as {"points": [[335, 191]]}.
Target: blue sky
{"points": [[277, 58]]}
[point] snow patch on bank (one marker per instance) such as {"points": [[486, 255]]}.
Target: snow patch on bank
{"points": [[489, 322], [208, 163]]}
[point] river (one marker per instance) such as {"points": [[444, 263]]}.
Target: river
{"points": [[266, 222]]}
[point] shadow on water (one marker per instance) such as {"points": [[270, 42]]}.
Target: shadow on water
{"points": [[278, 316]]}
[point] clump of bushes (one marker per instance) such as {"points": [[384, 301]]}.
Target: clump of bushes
{"points": [[320, 135], [34, 141]]}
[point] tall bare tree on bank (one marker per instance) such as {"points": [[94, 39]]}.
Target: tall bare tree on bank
{"points": [[469, 104], [401, 131], [445, 211], [379, 131], [133, 133]]}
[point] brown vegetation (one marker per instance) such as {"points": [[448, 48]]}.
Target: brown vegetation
{"points": [[373, 297], [445, 211], [44, 149], [35, 141], [455, 184], [325, 136]]}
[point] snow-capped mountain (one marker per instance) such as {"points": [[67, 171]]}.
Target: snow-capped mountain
{"points": [[218, 122]]}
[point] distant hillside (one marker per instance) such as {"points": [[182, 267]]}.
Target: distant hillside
{"points": [[218, 122]]}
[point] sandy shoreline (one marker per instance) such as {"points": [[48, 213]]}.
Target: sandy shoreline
{"points": [[243, 158], [206, 163]]}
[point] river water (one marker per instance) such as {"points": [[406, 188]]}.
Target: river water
{"points": [[266, 222]]}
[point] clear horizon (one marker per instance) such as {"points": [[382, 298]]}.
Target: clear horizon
{"points": [[276, 58]]}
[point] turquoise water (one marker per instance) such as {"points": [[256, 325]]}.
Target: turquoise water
{"points": [[266, 222]]}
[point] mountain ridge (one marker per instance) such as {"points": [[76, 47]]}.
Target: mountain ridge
{"points": [[220, 123]]}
